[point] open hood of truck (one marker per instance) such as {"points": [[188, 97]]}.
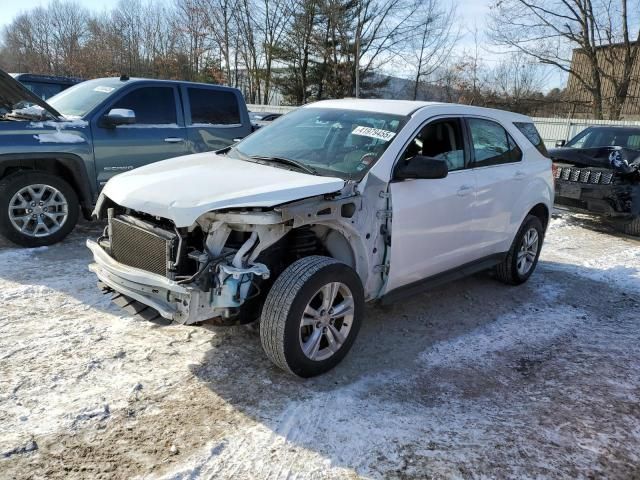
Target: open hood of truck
{"points": [[184, 188], [15, 96]]}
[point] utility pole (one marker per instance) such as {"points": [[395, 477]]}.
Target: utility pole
{"points": [[358, 65]]}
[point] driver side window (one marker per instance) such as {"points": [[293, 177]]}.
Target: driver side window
{"points": [[442, 140]]}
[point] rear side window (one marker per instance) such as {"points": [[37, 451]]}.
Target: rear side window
{"points": [[492, 145], [214, 107], [152, 105], [531, 133]]}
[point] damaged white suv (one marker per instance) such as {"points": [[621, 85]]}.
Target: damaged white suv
{"points": [[337, 203]]}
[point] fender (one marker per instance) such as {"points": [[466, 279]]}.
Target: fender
{"points": [[68, 166]]}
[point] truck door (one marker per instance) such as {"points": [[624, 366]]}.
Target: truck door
{"points": [[215, 117], [431, 218], [157, 134]]}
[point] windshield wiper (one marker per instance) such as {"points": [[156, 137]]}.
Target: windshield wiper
{"points": [[287, 161]]}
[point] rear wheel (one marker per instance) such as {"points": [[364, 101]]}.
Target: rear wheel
{"points": [[36, 208], [312, 315], [523, 256]]}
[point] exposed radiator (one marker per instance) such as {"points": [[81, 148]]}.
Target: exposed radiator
{"points": [[147, 249]]}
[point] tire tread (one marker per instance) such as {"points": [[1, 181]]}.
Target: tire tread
{"points": [[279, 302]]}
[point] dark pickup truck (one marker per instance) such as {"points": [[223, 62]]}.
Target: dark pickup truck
{"points": [[56, 156], [598, 171]]}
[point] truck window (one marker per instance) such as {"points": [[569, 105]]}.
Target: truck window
{"points": [[152, 105], [44, 90], [213, 107]]}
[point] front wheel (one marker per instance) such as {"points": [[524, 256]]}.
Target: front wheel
{"points": [[312, 315], [522, 258], [36, 208]]}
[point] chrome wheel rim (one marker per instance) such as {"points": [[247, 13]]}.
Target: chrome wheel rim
{"points": [[326, 321], [38, 210], [528, 251]]}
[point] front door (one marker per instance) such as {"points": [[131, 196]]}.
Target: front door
{"points": [[431, 219], [157, 134]]}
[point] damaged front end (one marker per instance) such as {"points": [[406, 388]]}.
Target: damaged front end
{"points": [[217, 266], [186, 276], [604, 181]]}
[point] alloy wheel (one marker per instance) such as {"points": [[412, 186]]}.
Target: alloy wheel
{"points": [[38, 210], [528, 251], [326, 321]]}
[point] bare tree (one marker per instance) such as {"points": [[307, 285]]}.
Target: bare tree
{"points": [[552, 31], [517, 81], [433, 41]]}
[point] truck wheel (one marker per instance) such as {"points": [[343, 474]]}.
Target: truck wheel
{"points": [[36, 208], [523, 256], [312, 315]]}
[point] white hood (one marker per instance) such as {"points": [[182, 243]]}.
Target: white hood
{"points": [[181, 189]]}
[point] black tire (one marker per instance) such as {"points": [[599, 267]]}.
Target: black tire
{"points": [[507, 271], [280, 324], [12, 184]]}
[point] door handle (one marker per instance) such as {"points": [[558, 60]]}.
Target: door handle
{"points": [[520, 175], [465, 190], [236, 140], [173, 140]]}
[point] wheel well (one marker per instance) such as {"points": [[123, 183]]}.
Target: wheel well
{"points": [[542, 212], [309, 240], [64, 168]]}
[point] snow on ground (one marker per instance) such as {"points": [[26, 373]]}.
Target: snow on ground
{"points": [[59, 137], [473, 380]]}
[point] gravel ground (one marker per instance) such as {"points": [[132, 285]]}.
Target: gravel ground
{"points": [[472, 380]]}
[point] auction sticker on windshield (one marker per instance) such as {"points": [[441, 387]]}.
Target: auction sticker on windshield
{"points": [[104, 89], [378, 133]]}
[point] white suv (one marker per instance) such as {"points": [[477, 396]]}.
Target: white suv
{"points": [[337, 203]]}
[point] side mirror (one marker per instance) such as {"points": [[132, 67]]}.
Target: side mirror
{"points": [[561, 143], [421, 167], [119, 116]]}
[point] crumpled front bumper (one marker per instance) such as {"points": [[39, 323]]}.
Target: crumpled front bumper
{"points": [[612, 200], [172, 300]]}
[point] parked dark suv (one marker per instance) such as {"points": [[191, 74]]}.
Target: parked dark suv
{"points": [[598, 171], [45, 86], [55, 156]]}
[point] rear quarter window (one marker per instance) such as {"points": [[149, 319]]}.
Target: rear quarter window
{"points": [[531, 133], [213, 107]]}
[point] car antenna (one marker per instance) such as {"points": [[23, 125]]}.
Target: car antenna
{"points": [[124, 77]]}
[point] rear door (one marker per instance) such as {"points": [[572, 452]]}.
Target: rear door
{"points": [[431, 218], [501, 175], [215, 117], [157, 134]]}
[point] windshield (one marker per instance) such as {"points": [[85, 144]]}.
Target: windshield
{"points": [[80, 99], [333, 142], [606, 137]]}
